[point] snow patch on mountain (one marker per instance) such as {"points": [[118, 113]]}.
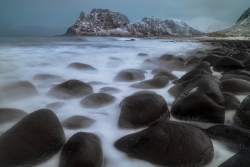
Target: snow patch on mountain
{"points": [[103, 22]]}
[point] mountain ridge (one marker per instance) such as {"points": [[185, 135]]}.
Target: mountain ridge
{"points": [[103, 22]]}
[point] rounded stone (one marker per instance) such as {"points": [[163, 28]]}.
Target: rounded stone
{"points": [[129, 75], [97, 100], [77, 122]]}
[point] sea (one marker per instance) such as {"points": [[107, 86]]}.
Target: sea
{"points": [[23, 57]]}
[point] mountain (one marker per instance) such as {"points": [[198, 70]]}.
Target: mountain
{"points": [[241, 28], [103, 22]]}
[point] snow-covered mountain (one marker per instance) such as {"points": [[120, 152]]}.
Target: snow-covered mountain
{"points": [[241, 28], [103, 22]]}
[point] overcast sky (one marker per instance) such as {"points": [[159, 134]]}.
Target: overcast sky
{"points": [[53, 17]]}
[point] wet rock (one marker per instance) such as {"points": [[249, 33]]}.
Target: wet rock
{"points": [[129, 75], [212, 59], [155, 83], [241, 56], [96, 83], [176, 66], [157, 70], [149, 64], [234, 138], [201, 100], [242, 115], [55, 105], [33, 140], [48, 78], [177, 144], [168, 57], [190, 75], [70, 89], [77, 122], [231, 101], [142, 109], [236, 86], [97, 100], [144, 55], [167, 74], [227, 64], [10, 114], [234, 76], [82, 149], [114, 62], [17, 90], [241, 159], [202, 66], [193, 62], [82, 67], [178, 89], [109, 90]]}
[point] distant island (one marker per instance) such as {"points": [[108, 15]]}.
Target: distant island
{"points": [[103, 22]]}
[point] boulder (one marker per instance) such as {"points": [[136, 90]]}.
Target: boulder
{"points": [[109, 90], [231, 101], [228, 64], [70, 89], [157, 70], [167, 74], [155, 83], [242, 115], [212, 59], [82, 149], [17, 91], [97, 100], [202, 66], [82, 67], [200, 100], [10, 114], [142, 109], [241, 159], [234, 138], [241, 56], [169, 143], [77, 122], [33, 140], [55, 105], [176, 66], [114, 62], [48, 78], [129, 75], [190, 75], [236, 86]]}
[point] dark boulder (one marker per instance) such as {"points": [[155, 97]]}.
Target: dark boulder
{"points": [[109, 90], [149, 64], [169, 143], [190, 75], [202, 66], [167, 74], [168, 57], [96, 83], [142, 55], [155, 83], [242, 115], [241, 159], [114, 62], [77, 122], [11, 114], [200, 100], [177, 89], [241, 56], [55, 105], [212, 59], [48, 78], [234, 138], [17, 90], [228, 64], [82, 149], [231, 101], [142, 109], [82, 67], [129, 75], [234, 76], [70, 89], [33, 140], [236, 86], [157, 70], [176, 66], [97, 100]]}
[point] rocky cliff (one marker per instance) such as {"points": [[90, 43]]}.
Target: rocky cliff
{"points": [[103, 22], [241, 28]]}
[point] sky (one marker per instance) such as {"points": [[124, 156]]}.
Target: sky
{"points": [[53, 17]]}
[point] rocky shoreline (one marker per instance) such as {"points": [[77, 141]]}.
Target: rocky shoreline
{"points": [[204, 94]]}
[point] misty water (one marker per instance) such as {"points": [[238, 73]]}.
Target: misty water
{"points": [[21, 58]]}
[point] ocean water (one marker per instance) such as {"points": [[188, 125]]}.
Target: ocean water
{"points": [[21, 58]]}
